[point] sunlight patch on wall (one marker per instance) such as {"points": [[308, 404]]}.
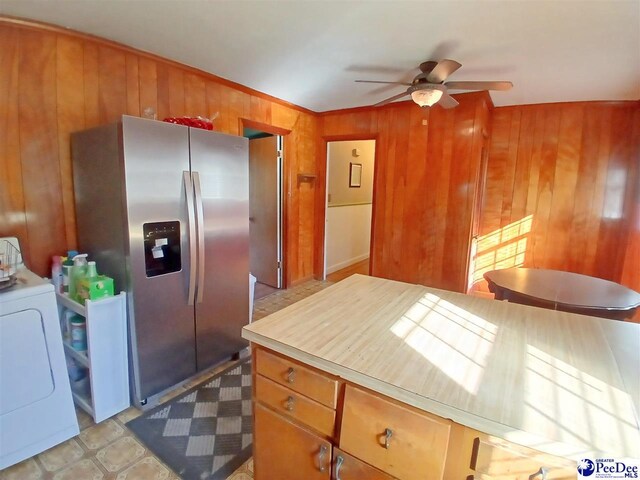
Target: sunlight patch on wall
{"points": [[502, 248], [454, 340]]}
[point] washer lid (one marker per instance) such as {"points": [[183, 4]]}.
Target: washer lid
{"points": [[27, 284]]}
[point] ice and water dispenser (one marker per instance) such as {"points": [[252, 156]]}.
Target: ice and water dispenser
{"points": [[161, 248]]}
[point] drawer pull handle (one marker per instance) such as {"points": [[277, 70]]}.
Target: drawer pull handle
{"points": [[542, 472], [339, 462], [321, 454], [290, 403], [387, 437], [291, 375]]}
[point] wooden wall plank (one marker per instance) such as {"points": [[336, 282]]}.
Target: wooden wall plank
{"points": [[398, 236], [91, 85], [509, 171], [133, 85], [442, 165], [112, 71], [578, 260], [609, 257], [598, 188], [522, 166], [564, 185], [162, 77], [39, 149], [148, 86], [13, 220], [431, 229], [541, 236], [195, 95], [498, 149], [176, 92], [412, 261], [71, 117]]}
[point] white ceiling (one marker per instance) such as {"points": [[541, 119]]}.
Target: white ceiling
{"points": [[310, 52]]}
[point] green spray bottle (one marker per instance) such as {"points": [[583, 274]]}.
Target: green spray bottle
{"points": [[78, 272]]}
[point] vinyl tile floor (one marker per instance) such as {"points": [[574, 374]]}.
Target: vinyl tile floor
{"points": [[110, 451]]}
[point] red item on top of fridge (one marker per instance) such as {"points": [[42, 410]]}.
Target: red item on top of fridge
{"points": [[195, 122]]}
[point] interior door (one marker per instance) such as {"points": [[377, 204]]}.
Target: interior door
{"points": [[220, 171], [264, 210]]}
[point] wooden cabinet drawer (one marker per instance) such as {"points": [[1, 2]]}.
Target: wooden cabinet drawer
{"points": [[417, 443], [304, 380], [501, 460], [297, 406], [284, 451], [346, 467]]}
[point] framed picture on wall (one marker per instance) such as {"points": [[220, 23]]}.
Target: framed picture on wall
{"points": [[355, 175]]}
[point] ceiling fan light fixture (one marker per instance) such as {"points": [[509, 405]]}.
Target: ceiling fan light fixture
{"points": [[426, 97]]}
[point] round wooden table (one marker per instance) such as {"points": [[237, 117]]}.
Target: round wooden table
{"points": [[565, 291]]}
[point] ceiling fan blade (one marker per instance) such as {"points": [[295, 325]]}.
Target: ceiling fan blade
{"points": [[375, 81], [479, 85], [447, 101], [391, 99], [426, 67], [442, 70]]}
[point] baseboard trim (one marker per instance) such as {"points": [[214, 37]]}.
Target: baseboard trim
{"points": [[298, 281], [346, 263]]}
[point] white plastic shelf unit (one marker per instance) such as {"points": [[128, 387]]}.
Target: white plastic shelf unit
{"points": [[106, 358]]}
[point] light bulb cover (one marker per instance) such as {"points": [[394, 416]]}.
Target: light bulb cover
{"points": [[427, 96]]}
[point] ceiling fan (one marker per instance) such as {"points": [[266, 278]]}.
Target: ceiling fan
{"points": [[429, 86]]}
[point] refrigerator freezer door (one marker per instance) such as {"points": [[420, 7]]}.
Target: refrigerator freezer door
{"points": [[220, 164], [162, 323]]}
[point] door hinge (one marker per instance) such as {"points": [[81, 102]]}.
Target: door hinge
{"points": [[279, 264], [279, 153]]}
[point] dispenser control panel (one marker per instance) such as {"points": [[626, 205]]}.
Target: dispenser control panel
{"points": [[162, 248]]}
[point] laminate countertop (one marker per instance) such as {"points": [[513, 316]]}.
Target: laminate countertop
{"points": [[564, 384]]}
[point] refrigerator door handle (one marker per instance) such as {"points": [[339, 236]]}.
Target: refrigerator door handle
{"points": [[188, 189], [200, 214]]}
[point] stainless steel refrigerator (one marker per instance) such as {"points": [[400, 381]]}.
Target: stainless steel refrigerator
{"points": [[163, 209]]}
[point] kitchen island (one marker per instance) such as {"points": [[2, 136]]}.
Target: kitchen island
{"points": [[475, 377]]}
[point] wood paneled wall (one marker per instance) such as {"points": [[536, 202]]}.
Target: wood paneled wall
{"points": [[568, 174], [53, 82], [427, 163], [568, 170]]}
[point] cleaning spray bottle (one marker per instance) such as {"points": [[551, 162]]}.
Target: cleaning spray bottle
{"points": [[67, 265], [78, 272], [56, 273]]}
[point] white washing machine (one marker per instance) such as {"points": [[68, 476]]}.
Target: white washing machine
{"points": [[36, 407]]}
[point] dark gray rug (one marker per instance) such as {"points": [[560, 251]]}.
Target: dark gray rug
{"points": [[205, 433]]}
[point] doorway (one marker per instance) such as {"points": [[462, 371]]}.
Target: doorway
{"points": [[265, 210], [348, 208]]}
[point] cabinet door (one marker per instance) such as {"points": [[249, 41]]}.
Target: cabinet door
{"points": [[346, 467], [285, 451]]}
